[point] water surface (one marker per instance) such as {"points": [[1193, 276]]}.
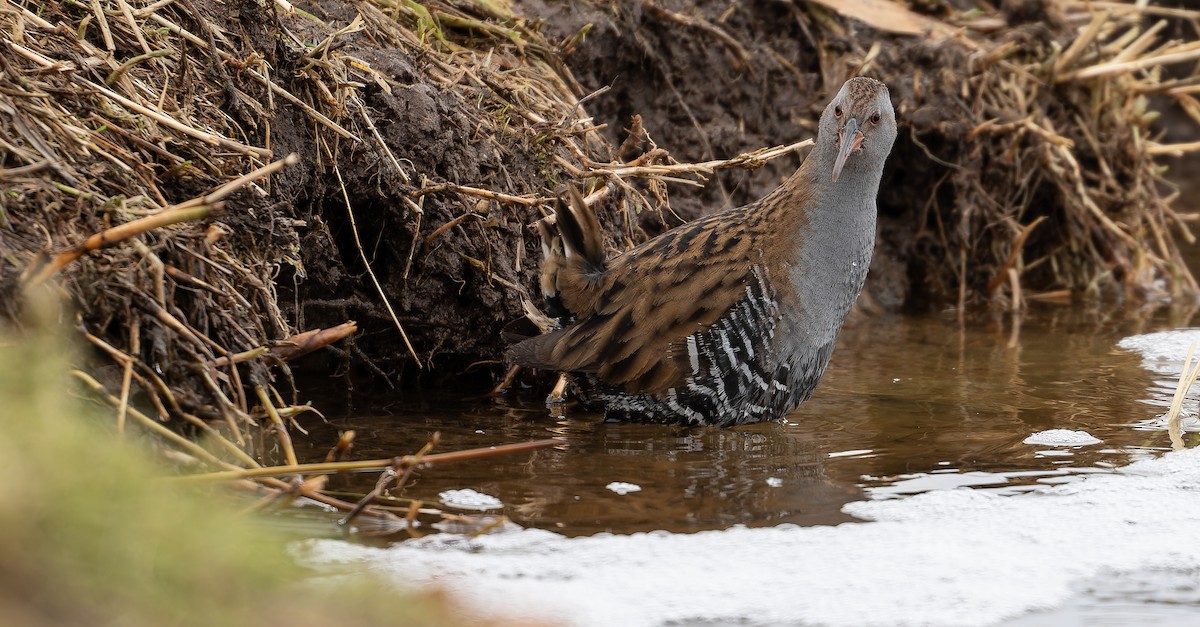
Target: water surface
{"points": [[908, 404]]}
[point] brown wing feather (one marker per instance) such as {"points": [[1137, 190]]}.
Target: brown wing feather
{"points": [[633, 323], [633, 314]]}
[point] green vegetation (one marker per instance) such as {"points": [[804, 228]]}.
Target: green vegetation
{"points": [[93, 535]]}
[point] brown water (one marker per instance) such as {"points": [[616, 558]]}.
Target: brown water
{"points": [[907, 402]]}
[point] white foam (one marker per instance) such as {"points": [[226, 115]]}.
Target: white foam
{"points": [[948, 479], [949, 557], [1163, 352], [622, 488], [1062, 437], [469, 499]]}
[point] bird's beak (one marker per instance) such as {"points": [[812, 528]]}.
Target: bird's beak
{"points": [[849, 140]]}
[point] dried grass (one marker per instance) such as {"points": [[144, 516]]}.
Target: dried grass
{"points": [[1045, 142], [136, 154]]}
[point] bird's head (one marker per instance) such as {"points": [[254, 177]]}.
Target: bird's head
{"points": [[860, 126]]}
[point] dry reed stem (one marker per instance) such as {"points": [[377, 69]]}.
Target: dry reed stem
{"points": [[1081, 42], [742, 59], [388, 475], [1042, 130], [206, 137], [1139, 8], [127, 376], [749, 161], [1175, 414], [342, 448], [1173, 149], [1015, 253], [294, 346], [506, 382], [558, 393], [1188, 53], [367, 264], [482, 193], [372, 464], [134, 136], [195, 209], [119, 234], [152, 425], [281, 432]]}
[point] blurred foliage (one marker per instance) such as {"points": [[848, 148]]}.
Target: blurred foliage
{"points": [[93, 534]]}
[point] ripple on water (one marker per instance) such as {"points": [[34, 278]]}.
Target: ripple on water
{"points": [[908, 405]]}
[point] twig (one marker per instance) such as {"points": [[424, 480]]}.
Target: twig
{"points": [[207, 138], [98, 11], [438, 232], [194, 209], [285, 440], [482, 193], [295, 346], [127, 375], [128, 65], [1081, 42], [118, 234], [373, 464], [749, 160], [388, 475], [1014, 253], [367, 264], [153, 425], [342, 448], [224, 191], [362, 109], [1172, 149], [1140, 8], [487, 270], [1186, 53], [741, 57], [127, 13]]}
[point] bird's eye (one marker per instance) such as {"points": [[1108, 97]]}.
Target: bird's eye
{"points": [[877, 118], [837, 111]]}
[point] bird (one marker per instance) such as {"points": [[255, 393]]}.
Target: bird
{"points": [[731, 318]]}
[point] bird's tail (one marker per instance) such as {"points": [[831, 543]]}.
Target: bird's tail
{"points": [[580, 230], [572, 250], [573, 258]]}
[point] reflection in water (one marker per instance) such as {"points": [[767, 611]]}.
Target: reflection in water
{"points": [[904, 399], [690, 478], [930, 394]]}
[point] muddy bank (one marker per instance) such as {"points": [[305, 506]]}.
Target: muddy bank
{"points": [[1012, 178], [429, 135], [999, 130]]}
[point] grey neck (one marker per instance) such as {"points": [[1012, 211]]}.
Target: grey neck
{"points": [[840, 219], [834, 247], [857, 185]]}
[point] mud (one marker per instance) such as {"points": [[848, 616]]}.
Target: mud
{"points": [[701, 97], [486, 98], [452, 311]]}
